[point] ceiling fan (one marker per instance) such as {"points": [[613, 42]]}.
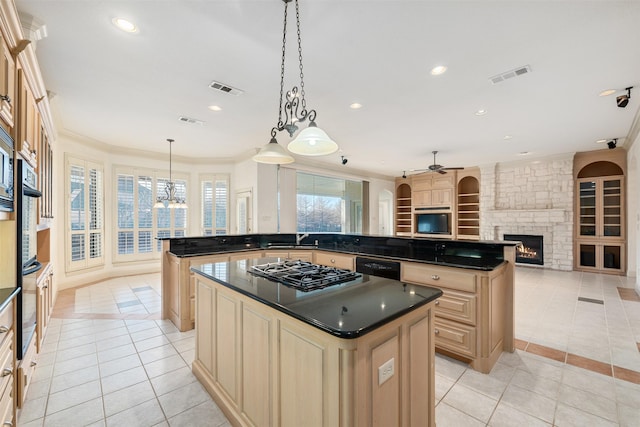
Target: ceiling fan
{"points": [[436, 167]]}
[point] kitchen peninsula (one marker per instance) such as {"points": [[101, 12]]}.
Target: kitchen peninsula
{"points": [[354, 353], [474, 319]]}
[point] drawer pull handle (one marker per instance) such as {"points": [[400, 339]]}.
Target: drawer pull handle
{"points": [[5, 98], [333, 261], [3, 329], [437, 302], [6, 371], [7, 423], [435, 277], [436, 331]]}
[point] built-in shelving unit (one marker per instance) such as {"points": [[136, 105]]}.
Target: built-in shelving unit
{"points": [[468, 208], [404, 223], [600, 236]]}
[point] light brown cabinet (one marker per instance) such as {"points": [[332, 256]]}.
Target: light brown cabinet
{"points": [[7, 365], [28, 134], [178, 283], [600, 234], [7, 86], [474, 316], [266, 368], [44, 303], [433, 190], [303, 255], [333, 259]]}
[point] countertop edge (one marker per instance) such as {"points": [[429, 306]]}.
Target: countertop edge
{"points": [[8, 298], [362, 254]]}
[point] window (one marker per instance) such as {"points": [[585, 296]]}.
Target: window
{"points": [[327, 204], [215, 205], [84, 214], [138, 223]]}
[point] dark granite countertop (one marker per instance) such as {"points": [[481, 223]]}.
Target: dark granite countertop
{"points": [[475, 255], [347, 310]]}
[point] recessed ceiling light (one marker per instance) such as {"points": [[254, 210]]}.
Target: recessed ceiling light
{"points": [[355, 106], [481, 112], [508, 137], [607, 92], [601, 141], [440, 69], [524, 153], [215, 108], [125, 25]]}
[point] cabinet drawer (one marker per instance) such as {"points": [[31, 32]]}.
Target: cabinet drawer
{"points": [[25, 372], [451, 278], [301, 255], [6, 361], [455, 337], [334, 260], [6, 321], [457, 306], [6, 406]]}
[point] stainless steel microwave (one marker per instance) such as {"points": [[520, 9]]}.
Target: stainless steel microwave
{"points": [[6, 171]]}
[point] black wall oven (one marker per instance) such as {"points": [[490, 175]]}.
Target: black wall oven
{"points": [[6, 171], [28, 265]]}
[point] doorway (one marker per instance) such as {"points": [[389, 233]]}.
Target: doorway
{"points": [[243, 212]]}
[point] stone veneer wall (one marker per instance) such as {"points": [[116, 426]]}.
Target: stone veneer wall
{"points": [[534, 197]]}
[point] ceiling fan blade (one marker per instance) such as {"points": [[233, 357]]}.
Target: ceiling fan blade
{"points": [[454, 169], [442, 171]]}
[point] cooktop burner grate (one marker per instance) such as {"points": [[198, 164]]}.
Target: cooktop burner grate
{"points": [[303, 275]]}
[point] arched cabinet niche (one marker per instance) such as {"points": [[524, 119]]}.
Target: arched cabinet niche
{"points": [[404, 224], [600, 234]]}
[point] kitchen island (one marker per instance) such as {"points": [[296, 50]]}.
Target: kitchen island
{"points": [[358, 353], [474, 317]]}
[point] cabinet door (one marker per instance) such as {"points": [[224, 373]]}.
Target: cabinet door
{"points": [[442, 197], [600, 202], [28, 122], [7, 86], [601, 257], [422, 198]]}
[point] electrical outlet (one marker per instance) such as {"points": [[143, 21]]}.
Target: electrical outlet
{"points": [[386, 371]]}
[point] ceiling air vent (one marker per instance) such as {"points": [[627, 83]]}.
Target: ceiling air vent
{"points": [[190, 120], [525, 69], [225, 88]]}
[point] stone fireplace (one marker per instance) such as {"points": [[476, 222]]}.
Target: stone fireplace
{"points": [[531, 198]]}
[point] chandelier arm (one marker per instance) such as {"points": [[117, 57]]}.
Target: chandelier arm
{"points": [[304, 101], [284, 44]]}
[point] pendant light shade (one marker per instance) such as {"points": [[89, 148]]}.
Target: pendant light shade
{"points": [[312, 141], [274, 154], [292, 111]]}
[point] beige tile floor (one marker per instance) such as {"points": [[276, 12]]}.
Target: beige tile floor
{"points": [[109, 360]]}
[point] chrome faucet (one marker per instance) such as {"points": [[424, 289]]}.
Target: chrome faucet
{"points": [[300, 236]]}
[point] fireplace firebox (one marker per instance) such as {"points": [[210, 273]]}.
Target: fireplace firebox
{"points": [[530, 251]]}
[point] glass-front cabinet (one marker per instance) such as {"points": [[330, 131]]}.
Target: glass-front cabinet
{"points": [[600, 240]]}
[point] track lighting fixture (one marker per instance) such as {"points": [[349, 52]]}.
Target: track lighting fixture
{"points": [[623, 100], [404, 174], [344, 161], [612, 143]]}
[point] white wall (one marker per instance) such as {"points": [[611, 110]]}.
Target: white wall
{"points": [[111, 157], [633, 206]]}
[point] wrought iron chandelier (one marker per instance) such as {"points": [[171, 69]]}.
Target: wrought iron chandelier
{"points": [[311, 141], [170, 199]]}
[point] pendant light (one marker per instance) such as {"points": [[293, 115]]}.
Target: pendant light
{"points": [[170, 199], [312, 141]]}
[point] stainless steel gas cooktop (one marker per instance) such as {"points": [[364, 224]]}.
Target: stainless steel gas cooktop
{"points": [[303, 275]]}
